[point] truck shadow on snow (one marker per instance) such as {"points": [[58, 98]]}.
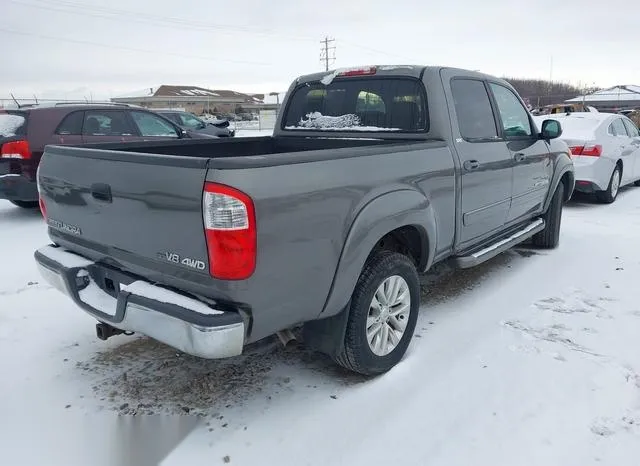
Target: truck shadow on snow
{"points": [[142, 376]]}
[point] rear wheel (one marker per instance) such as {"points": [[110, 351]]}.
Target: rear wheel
{"points": [[26, 204], [382, 314], [550, 236], [611, 193]]}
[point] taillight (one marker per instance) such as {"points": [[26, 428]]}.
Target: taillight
{"points": [[15, 150], [230, 228], [592, 150], [358, 71], [43, 207]]}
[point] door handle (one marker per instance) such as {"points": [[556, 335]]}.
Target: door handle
{"points": [[519, 157], [101, 192], [471, 164]]}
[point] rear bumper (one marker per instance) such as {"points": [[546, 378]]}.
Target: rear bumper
{"points": [[128, 303], [592, 173], [17, 188]]}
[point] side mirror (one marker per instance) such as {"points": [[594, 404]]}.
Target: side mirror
{"points": [[551, 129]]}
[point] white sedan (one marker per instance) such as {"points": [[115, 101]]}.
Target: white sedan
{"points": [[605, 149]]}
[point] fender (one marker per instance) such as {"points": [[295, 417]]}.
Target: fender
{"points": [[563, 165], [380, 216]]}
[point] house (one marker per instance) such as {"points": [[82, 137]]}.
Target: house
{"points": [[614, 99], [193, 99]]}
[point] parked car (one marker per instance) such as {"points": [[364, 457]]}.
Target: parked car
{"points": [[372, 175], [605, 149], [25, 132], [189, 121]]}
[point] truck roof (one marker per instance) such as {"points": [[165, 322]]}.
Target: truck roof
{"points": [[385, 70]]}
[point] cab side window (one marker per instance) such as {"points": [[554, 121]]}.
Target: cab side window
{"points": [[514, 116], [473, 110]]}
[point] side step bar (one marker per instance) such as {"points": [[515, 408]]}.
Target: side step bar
{"points": [[478, 257]]}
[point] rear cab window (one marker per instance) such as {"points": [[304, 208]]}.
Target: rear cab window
{"points": [[352, 104], [473, 110], [13, 124]]}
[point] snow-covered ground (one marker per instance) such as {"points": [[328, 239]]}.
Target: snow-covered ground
{"points": [[530, 359]]}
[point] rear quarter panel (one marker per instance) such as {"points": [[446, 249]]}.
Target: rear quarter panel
{"points": [[306, 211]]}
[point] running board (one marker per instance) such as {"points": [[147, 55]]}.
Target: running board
{"points": [[478, 257]]}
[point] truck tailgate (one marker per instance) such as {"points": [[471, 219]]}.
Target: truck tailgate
{"points": [[139, 208]]}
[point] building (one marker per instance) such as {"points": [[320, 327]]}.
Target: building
{"points": [[194, 99], [614, 99]]}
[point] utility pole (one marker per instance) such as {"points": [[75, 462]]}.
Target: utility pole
{"points": [[327, 52]]}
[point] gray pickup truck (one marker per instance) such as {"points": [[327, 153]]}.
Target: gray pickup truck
{"points": [[372, 175]]}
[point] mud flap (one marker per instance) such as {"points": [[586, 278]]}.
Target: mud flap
{"points": [[327, 335]]}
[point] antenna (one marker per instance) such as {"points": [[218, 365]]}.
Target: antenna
{"points": [[14, 99]]}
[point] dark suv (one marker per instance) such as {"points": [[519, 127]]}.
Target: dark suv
{"points": [[25, 132]]}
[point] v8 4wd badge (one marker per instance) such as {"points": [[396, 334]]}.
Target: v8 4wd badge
{"points": [[186, 261]]}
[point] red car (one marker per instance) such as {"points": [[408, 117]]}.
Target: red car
{"points": [[25, 132]]}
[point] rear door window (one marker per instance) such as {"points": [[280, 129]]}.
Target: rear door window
{"points": [[13, 124], [106, 123], [473, 110], [618, 128], [359, 104]]}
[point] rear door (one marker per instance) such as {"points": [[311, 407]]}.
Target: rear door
{"points": [[633, 132], [107, 126], [486, 162], [532, 168]]}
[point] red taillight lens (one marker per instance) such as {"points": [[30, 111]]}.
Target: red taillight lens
{"points": [[592, 150], [230, 228], [358, 71], [43, 207], [15, 150]]}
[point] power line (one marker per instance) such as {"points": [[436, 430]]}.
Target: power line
{"points": [[149, 19], [327, 53], [132, 49]]}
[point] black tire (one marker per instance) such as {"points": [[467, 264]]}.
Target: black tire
{"points": [[636, 183], [26, 204], [356, 354], [607, 196], [549, 238]]}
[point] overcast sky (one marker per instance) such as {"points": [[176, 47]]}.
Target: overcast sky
{"points": [[69, 48]]}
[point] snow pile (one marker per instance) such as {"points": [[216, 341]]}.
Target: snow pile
{"points": [[348, 122], [9, 124], [163, 295]]}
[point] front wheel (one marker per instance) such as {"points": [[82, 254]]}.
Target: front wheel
{"points": [[611, 193], [382, 315]]}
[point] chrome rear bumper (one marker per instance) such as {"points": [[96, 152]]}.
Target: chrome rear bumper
{"points": [[128, 303]]}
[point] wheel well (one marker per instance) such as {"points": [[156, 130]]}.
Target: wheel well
{"points": [[621, 165], [407, 240]]}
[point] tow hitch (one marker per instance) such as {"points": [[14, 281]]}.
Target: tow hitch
{"points": [[105, 331]]}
